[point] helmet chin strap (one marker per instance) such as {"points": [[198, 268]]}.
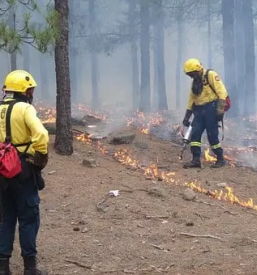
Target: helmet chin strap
{"points": [[30, 98], [23, 97]]}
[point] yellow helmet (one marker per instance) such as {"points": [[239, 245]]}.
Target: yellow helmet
{"points": [[192, 65], [19, 81]]}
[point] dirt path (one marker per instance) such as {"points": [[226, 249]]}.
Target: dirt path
{"points": [[140, 231]]}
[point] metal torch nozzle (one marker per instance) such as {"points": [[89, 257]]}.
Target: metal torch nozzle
{"points": [[186, 140]]}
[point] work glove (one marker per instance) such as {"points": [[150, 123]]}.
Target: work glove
{"points": [[221, 109], [39, 160], [220, 117], [188, 114]]}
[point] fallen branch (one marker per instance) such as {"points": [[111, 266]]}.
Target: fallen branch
{"points": [[78, 264], [99, 204], [157, 246], [201, 216], [78, 131], [156, 217], [200, 236]]}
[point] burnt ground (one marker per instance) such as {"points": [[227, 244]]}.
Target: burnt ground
{"points": [[85, 231]]}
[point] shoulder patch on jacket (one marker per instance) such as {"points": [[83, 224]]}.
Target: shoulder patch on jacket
{"points": [[217, 78]]}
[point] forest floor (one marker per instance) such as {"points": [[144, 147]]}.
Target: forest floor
{"points": [[152, 226]]}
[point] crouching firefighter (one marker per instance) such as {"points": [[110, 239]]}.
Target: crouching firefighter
{"points": [[208, 101], [23, 134]]}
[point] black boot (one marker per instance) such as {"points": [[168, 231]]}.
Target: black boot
{"points": [[219, 163], [30, 267], [4, 266], [220, 158], [192, 164], [195, 163]]}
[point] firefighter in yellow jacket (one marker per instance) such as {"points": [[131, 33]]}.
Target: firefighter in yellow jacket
{"points": [[19, 196], [207, 102]]}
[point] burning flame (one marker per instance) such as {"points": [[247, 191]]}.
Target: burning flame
{"points": [[228, 195], [83, 138], [151, 172], [144, 123], [124, 158], [208, 157]]}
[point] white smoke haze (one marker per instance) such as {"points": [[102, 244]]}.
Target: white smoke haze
{"points": [[114, 69]]}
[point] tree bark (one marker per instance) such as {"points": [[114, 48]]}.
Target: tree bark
{"points": [[155, 71], [249, 108], [159, 56], [72, 50], [95, 80], [94, 56], [209, 34], [240, 53], [180, 45], [12, 24], [44, 80], [26, 57], [25, 51], [229, 54], [133, 52], [145, 91], [64, 138]]}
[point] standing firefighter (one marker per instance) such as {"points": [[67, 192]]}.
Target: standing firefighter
{"points": [[207, 101], [19, 194]]}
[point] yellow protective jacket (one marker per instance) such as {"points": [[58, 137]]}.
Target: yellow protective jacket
{"points": [[207, 94], [25, 127]]}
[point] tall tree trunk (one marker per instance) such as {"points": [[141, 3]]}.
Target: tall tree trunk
{"points": [[249, 108], [95, 80], [155, 102], [94, 55], [159, 39], [240, 53], [145, 91], [209, 34], [25, 50], [26, 57], [64, 138], [73, 6], [12, 24], [74, 77], [229, 54], [133, 51], [180, 45], [44, 79], [135, 75]]}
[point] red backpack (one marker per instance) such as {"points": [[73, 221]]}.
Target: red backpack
{"points": [[10, 163], [228, 101]]}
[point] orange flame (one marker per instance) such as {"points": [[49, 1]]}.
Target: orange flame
{"points": [[152, 171], [83, 138], [228, 195], [208, 157]]}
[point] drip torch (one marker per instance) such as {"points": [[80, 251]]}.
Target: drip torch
{"points": [[186, 140]]}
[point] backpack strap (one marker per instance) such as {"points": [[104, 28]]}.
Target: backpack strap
{"points": [[8, 138], [208, 82]]}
